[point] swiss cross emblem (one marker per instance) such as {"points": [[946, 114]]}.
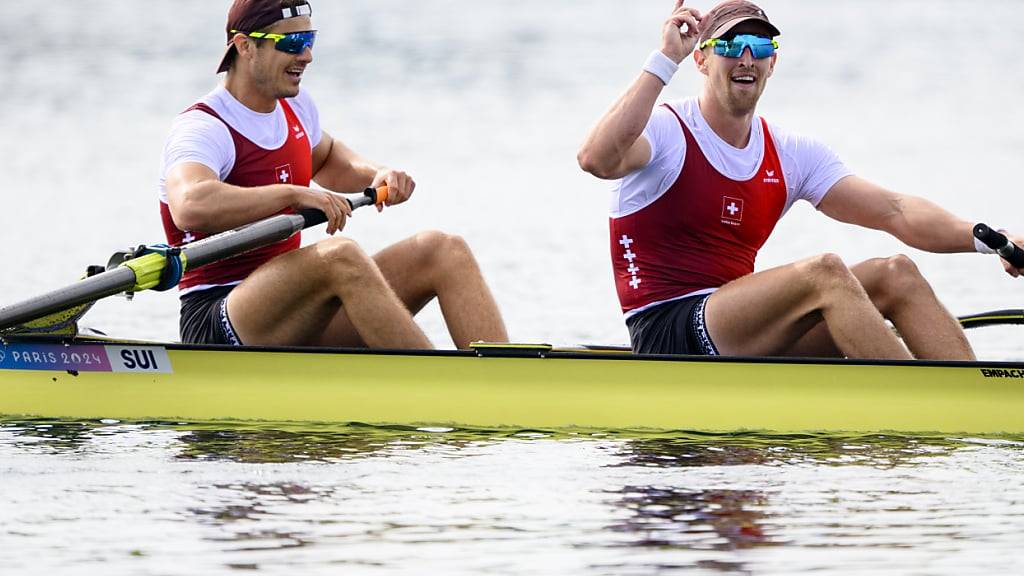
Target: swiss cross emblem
{"points": [[732, 209], [283, 174]]}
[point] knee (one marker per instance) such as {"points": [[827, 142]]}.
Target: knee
{"points": [[897, 279], [442, 250], [828, 272], [342, 257]]}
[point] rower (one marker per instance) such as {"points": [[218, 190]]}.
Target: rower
{"points": [[700, 185], [250, 149]]}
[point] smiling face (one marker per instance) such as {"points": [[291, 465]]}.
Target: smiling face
{"points": [[270, 73], [736, 84]]}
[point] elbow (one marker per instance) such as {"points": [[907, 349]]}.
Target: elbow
{"points": [[592, 164], [186, 220], [187, 214]]}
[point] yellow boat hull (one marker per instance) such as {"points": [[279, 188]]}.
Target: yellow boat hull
{"points": [[535, 390]]}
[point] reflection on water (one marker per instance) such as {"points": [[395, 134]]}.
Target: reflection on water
{"points": [[698, 519], [267, 497], [876, 450]]}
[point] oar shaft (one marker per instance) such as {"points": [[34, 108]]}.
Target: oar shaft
{"points": [[262, 233], [199, 253], [82, 292]]}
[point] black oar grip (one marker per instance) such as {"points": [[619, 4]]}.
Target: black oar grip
{"points": [[1001, 244], [314, 217]]}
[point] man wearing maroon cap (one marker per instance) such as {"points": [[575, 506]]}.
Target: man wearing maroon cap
{"points": [[700, 185], [250, 149]]}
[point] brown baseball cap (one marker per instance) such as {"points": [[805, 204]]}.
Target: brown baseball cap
{"points": [[255, 16], [723, 17]]}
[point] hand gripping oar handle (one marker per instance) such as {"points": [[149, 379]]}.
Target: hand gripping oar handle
{"points": [[378, 196], [199, 253], [1001, 244]]}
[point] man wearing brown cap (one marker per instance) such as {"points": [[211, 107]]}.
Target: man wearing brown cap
{"points": [[700, 185], [249, 150]]}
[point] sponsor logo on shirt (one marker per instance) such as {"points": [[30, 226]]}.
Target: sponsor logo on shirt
{"points": [[732, 210], [771, 178], [299, 134]]}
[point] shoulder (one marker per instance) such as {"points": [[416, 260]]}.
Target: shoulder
{"points": [[303, 105], [796, 145], [663, 129], [306, 110], [197, 124]]}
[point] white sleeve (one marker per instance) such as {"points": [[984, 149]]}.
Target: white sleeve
{"points": [[199, 137], [308, 114], [663, 134], [641, 188], [812, 168]]}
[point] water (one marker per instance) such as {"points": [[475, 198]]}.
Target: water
{"points": [[485, 104], [162, 498]]}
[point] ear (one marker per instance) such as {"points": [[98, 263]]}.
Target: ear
{"points": [[700, 59], [771, 69], [243, 44]]}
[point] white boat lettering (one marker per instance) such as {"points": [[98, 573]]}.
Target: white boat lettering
{"points": [[34, 357], [83, 359]]}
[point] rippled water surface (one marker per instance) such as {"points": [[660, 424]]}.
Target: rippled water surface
{"points": [[485, 103], [86, 497]]}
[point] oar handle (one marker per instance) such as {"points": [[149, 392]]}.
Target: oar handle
{"points": [[370, 196], [1001, 244]]}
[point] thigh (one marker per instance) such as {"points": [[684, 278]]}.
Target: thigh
{"points": [[763, 314], [285, 301], [406, 267], [817, 342]]}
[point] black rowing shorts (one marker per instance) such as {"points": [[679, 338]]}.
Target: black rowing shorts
{"points": [[204, 318], [675, 327]]}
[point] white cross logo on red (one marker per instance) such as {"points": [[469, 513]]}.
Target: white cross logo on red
{"points": [[284, 173], [633, 270], [733, 208]]}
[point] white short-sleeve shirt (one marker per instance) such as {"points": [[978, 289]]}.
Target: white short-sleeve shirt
{"points": [[198, 137], [810, 167]]}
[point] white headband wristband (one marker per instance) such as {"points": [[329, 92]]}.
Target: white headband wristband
{"points": [[661, 66], [981, 248], [295, 11]]}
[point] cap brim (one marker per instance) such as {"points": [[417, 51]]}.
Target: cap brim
{"points": [[225, 62], [721, 30]]}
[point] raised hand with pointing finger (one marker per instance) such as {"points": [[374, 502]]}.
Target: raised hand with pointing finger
{"points": [[679, 34]]}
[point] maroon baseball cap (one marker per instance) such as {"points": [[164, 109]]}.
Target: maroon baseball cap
{"points": [[255, 16], [723, 17]]}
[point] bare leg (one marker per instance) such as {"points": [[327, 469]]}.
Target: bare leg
{"points": [[293, 298], [770, 312], [435, 265], [905, 298]]}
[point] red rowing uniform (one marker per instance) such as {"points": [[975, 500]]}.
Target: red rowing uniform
{"points": [[702, 233], [291, 163]]}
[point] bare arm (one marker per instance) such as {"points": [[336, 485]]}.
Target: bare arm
{"points": [[915, 221], [200, 202], [337, 167], [616, 146]]}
